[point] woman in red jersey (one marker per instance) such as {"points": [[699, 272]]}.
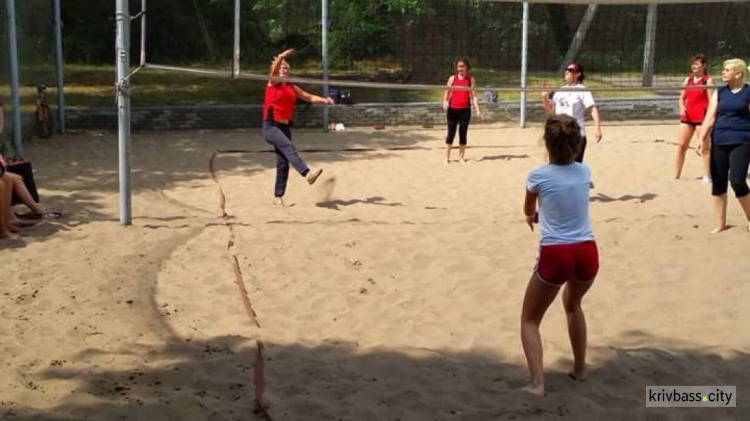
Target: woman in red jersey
{"points": [[278, 107], [458, 106], [693, 106]]}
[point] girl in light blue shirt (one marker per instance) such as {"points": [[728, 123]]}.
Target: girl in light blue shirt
{"points": [[567, 251]]}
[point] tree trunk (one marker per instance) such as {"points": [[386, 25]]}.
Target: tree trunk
{"points": [[207, 40], [558, 19]]}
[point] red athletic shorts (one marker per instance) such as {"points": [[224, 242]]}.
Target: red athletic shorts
{"points": [[558, 263]]}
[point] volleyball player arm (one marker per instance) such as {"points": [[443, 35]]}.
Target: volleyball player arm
{"points": [[708, 122], [597, 123], [682, 97], [476, 100], [549, 107], [529, 209], [315, 99], [709, 87], [447, 94], [276, 65]]}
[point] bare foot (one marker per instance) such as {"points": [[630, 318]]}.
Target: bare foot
{"points": [[720, 229], [579, 377], [535, 390]]}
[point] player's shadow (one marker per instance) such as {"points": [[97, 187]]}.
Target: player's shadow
{"points": [[502, 157], [645, 197], [337, 204], [219, 378]]}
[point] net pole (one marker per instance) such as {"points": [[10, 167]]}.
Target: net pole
{"points": [[324, 46], [649, 47], [236, 57], [143, 32], [59, 64], [14, 85], [524, 60], [123, 107]]}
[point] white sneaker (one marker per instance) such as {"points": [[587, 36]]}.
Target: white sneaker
{"points": [[278, 201], [313, 175], [706, 179]]}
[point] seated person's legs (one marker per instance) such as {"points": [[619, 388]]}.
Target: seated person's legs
{"points": [[5, 212], [15, 183]]}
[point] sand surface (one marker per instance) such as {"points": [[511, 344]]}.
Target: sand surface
{"points": [[389, 290]]}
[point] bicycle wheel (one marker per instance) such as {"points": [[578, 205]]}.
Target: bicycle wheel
{"points": [[43, 121]]}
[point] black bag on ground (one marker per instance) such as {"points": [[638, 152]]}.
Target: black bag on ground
{"points": [[26, 172]]}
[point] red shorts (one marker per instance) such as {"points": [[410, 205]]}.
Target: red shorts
{"points": [[558, 263], [694, 115]]}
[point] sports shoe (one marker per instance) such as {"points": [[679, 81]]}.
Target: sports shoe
{"points": [[279, 201], [313, 175], [706, 179]]}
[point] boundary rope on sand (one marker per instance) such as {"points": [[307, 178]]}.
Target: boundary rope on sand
{"points": [[258, 365]]}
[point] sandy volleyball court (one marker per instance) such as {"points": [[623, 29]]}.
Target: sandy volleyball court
{"points": [[389, 290]]}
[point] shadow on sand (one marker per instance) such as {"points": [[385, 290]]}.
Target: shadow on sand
{"points": [[213, 379]]}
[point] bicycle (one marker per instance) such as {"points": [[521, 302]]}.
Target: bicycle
{"points": [[44, 123]]}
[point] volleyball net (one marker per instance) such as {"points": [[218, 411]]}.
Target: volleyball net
{"points": [[413, 44], [403, 50]]}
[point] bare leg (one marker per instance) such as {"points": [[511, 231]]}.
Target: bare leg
{"points": [[683, 143], [572, 296], [5, 213], [720, 210], [448, 153], [23, 193], [537, 300], [461, 152], [745, 203]]}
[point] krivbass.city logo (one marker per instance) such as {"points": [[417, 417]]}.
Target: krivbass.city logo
{"points": [[691, 396]]}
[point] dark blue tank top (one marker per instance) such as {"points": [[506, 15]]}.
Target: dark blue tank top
{"points": [[732, 117]]}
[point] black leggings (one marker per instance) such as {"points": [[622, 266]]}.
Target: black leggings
{"points": [[456, 117], [729, 164], [579, 157]]}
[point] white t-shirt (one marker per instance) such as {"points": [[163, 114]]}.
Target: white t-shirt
{"points": [[573, 104], [563, 202]]}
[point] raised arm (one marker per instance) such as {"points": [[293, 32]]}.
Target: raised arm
{"points": [[276, 65], [315, 99], [549, 107]]}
